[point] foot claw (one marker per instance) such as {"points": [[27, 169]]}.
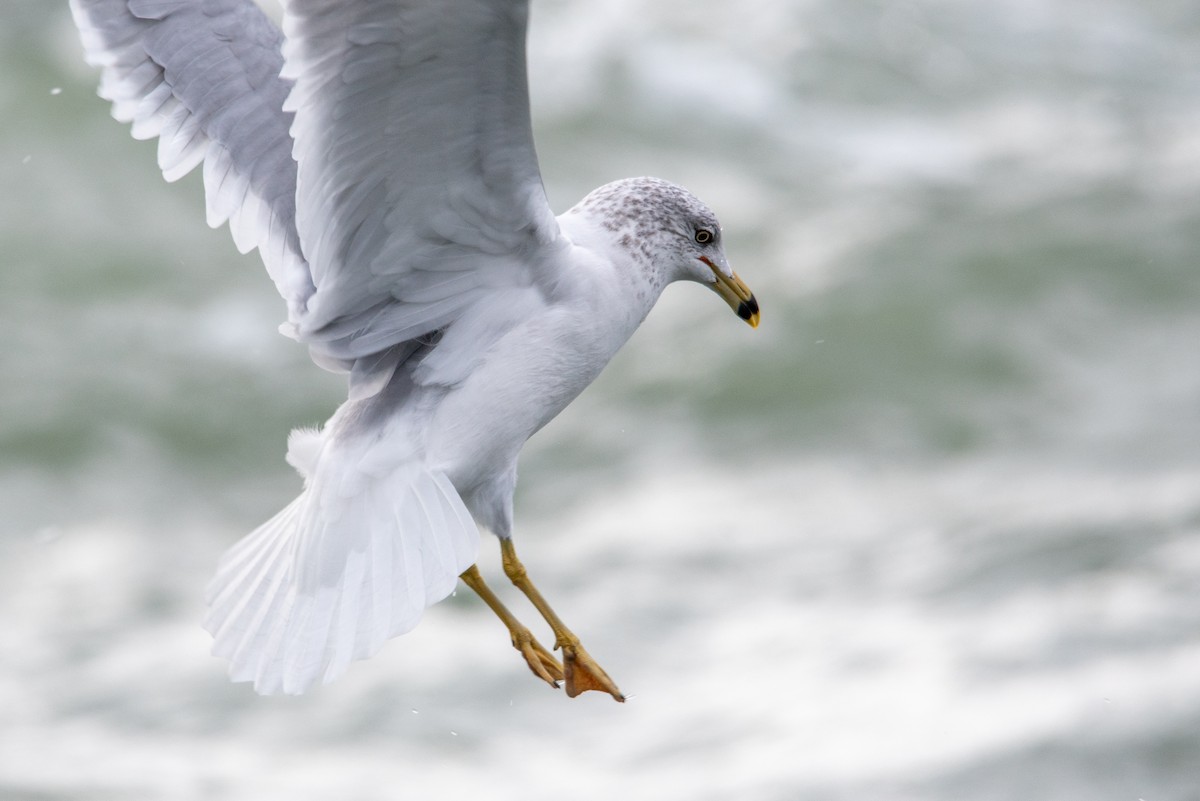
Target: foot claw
{"points": [[540, 661], [583, 674]]}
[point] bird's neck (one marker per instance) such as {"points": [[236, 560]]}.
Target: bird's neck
{"points": [[614, 272]]}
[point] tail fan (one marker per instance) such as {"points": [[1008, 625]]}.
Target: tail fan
{"points": [[335, 574]]}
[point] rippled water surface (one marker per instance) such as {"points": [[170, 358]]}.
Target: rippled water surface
{"points": [[931, 532]]}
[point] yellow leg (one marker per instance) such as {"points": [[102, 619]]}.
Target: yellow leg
{"points": [[540, 661], [581, 673]]}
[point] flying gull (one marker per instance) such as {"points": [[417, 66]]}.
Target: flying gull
{"points": [[378, 154]]}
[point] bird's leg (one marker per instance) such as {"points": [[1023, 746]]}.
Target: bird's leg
{"points": [[581, 673], [541, 662]]}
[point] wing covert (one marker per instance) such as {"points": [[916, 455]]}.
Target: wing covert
{"points": [[418, 186]]}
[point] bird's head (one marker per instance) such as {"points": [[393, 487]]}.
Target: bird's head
{"points": [[701, 258], [671, 232]]}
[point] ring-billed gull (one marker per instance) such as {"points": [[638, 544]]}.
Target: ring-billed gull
{"points": [[378, 153]]}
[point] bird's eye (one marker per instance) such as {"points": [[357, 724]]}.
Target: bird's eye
{"points": [[704, 236]]}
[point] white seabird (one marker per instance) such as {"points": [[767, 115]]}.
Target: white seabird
{"points": [[378, 153]]}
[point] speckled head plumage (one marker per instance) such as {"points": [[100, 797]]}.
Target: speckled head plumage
{"points": [[671, 233]]}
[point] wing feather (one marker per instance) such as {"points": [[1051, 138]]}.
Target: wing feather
{"points": [[203, 77], [381, 159], [418, 184]]}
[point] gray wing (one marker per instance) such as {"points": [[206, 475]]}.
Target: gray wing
{"points": [[203, 76], [410, 200], [419, 196]]}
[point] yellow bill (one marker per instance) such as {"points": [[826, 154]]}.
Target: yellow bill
{"points": [[735, 292]]}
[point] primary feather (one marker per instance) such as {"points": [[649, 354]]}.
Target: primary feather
{"points": [[204, 79]]}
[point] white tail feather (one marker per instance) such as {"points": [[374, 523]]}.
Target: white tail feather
{"points": [[340, 570]]}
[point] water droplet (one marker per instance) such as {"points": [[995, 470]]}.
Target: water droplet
{"points": [[56, 90], [453, 733]]}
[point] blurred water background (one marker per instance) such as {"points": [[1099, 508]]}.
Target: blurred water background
{"points": [[931, 532]]}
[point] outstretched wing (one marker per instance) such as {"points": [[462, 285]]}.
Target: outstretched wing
{"points": [[419, 194], [203, 76], [410, 198]]}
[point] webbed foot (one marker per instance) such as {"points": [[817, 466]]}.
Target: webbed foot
{"points": [[581, 673]]}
